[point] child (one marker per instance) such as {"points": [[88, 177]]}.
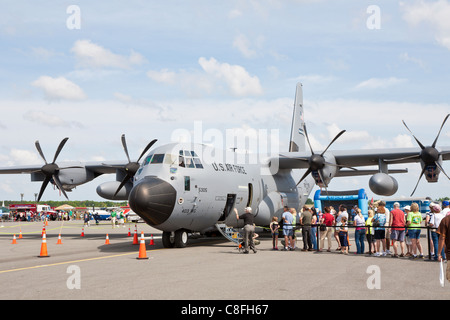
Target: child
{"points": [[370, 232], [343, 232], [274, 226]]}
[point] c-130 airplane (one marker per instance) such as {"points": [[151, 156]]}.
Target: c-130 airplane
{"points": [[182, 188]]}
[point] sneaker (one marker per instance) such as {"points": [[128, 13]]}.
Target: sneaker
{"points": [[376, 254], [384, 254]]}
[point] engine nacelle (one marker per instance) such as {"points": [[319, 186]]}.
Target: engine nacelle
{"points": [[106, 190], [383, 184]]}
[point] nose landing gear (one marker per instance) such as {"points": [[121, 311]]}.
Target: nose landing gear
{"points": [[175, 239]]}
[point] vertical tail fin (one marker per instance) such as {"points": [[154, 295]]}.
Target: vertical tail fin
{"points": [[297, 142]]}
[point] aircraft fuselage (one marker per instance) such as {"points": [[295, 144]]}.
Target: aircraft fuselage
{"points": [[193, 187]]}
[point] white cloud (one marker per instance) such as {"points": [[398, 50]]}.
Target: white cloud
{"points": [[208, 80], [59, 88], [433, 13], [349, 136], [51, 120], [92, 55], [235, 13], [379, 83], [163, 76], [405, 57], [249, 49], [239, 81], [314, 79]]}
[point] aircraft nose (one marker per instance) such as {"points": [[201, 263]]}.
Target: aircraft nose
{"points": [[153, 199]]}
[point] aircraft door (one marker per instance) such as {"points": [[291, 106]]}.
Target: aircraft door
{"points": [[231, 200]]}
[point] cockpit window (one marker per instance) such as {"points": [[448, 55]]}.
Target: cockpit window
{"points": [[189, 159], [157, 158]]}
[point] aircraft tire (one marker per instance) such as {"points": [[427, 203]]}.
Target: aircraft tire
{"points": [[181, 238], [168, 240]]}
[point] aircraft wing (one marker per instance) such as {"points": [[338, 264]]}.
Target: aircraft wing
{"points": [[20, 169], [357, 158], [97, 168]]}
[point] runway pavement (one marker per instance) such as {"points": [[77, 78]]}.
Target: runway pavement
{"points": [[208, 269]]}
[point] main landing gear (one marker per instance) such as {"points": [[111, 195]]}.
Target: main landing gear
{"points": [[175, 239]]}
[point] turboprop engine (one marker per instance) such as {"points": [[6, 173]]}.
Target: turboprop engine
{"points": [[383, 184]]}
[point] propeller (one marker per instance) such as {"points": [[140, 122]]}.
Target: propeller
{"points": [[429, 155], [131, 167], [317, 161], [51, 170]]}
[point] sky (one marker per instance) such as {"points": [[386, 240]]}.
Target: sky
{"points": [[92, 71]]}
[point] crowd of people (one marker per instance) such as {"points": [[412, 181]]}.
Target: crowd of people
{"points": [[393, 232]]}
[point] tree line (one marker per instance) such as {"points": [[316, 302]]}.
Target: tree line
{"points": [[77, 204]]}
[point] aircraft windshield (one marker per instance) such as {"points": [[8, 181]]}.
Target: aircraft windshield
{"points": [[189, 159]]}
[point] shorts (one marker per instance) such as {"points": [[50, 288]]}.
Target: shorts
{"points": [[380, 234], [398, 235], [288, 232], [414, 233]]}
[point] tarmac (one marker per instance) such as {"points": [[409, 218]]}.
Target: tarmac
{"points": [[85, 268]]}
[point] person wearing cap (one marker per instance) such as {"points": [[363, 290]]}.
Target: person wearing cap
{"points": [[288, 229], [445, 208], [435, 220], [408, 242], [249, 228], [397, 230]]}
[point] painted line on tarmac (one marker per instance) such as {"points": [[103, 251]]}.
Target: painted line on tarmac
{"points": [[73, 261]]}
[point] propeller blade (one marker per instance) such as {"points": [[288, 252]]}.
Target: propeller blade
{"points": [[43, 186], [125, 148], [147, 148], [421, 174], [304, 176], [321, 178], [60, 147], [124, 181], [307, 138], [59, 185], [442, 169], [38, 147], [417, 140], [335, 138], [435, 141]]}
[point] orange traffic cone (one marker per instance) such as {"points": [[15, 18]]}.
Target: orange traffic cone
{"points": [[129, 232], [43, 231], [82, 232], [152, 243], [59, 239], [142, 249], [135, 237], [44, 253], [14, 240], [107, 239], [20, 234], [46, 222]]}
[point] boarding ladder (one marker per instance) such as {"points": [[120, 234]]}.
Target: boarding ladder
{"points": [[229, 233]]}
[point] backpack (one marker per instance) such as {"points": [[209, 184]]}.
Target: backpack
{"points": [[375, 222]]}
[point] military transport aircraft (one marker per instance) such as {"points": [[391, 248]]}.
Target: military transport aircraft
{"points": [[182, 188]]}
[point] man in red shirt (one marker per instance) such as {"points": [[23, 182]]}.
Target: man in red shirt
{"points": [[328, 221], [397, 230]]}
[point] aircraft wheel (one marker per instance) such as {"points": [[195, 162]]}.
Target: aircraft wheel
{"points": [[168, 239], [181, 238]]}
